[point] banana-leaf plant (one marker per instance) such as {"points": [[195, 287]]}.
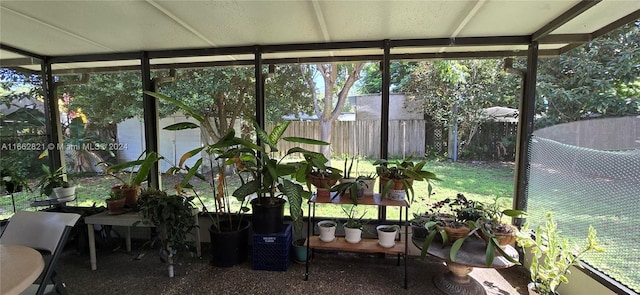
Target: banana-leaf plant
{"points": [[261, 174]]}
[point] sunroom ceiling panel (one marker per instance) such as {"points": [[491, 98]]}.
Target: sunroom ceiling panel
{"points": [[239, 23], [361, 20], [41, 38], [96, 26], [509, 18], [594, 19]]}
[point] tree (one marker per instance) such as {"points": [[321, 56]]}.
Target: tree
{"points": [[598, 79], [457, 91], [371, 81], [106, 99], [338, 80], [225, 94], [220, 95]]}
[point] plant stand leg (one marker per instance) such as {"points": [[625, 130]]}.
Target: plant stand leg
{"points": [[457, 281]]}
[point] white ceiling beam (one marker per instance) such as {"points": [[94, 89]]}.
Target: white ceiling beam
{"points": [[182, 23], [321, 20], [463, 23], [61, 30]]}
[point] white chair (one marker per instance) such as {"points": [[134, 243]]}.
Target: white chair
{"points": [[46, 232]]}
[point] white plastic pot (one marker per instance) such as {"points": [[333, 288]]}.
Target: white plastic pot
{"points": [[327, 230], [352, 235], [387, 239], [64, 193]]}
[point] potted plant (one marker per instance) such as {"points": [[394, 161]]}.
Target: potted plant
{"points": [[13, 181], [269, 178], [327, 230], [229, 231], [553, 255], [323, 178], [115, 202], [130, 186], [51, 180], [355, 188], [418, 229], [462, 221], [387, 235], [492, 225], [173, 215], [397, 176], [354, 225]]}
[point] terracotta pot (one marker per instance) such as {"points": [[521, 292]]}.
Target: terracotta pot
{"points": [[504, 238], [454, 233], [321, 182], [130, 194], [115, 206]]}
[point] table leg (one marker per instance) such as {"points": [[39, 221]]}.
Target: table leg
{"points": [[457, 281], [92, 246], [128, 239], [197, 232]]}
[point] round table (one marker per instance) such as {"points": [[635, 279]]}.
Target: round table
{"points": [[472, 254], [20, 266]]}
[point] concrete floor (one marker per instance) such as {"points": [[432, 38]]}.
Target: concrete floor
{"points": [[330, 273]]}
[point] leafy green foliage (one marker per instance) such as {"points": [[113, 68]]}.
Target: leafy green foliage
{"points": [[172, 214], [599, 79], [371, 81], [553, 255], [108, 98]]}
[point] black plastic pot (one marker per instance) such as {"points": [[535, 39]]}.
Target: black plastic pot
{"points": [[268, 215], [229, 246]]}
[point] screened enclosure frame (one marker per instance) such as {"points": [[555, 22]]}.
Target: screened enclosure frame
{"points": [[383, 54]]}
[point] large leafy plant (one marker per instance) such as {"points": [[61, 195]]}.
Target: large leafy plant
{"points": [[260, 173], [553, 255]]}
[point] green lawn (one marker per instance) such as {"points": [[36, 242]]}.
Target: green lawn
{"points": [[476, 181]]}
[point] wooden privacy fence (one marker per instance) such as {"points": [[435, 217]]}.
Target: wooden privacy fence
{"points": [[493, 140], [406, 137]]}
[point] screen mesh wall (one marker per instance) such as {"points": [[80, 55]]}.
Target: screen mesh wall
{"points": [[590, 187]]}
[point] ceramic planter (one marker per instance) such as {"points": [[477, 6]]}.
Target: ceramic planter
{"points": [[369, 186], [327, 230], [300, 253], [397, 190], [65, 193], [352, 235], [387, 235]]}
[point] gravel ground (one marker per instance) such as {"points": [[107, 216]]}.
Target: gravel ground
{"points": [[330, 273]]}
